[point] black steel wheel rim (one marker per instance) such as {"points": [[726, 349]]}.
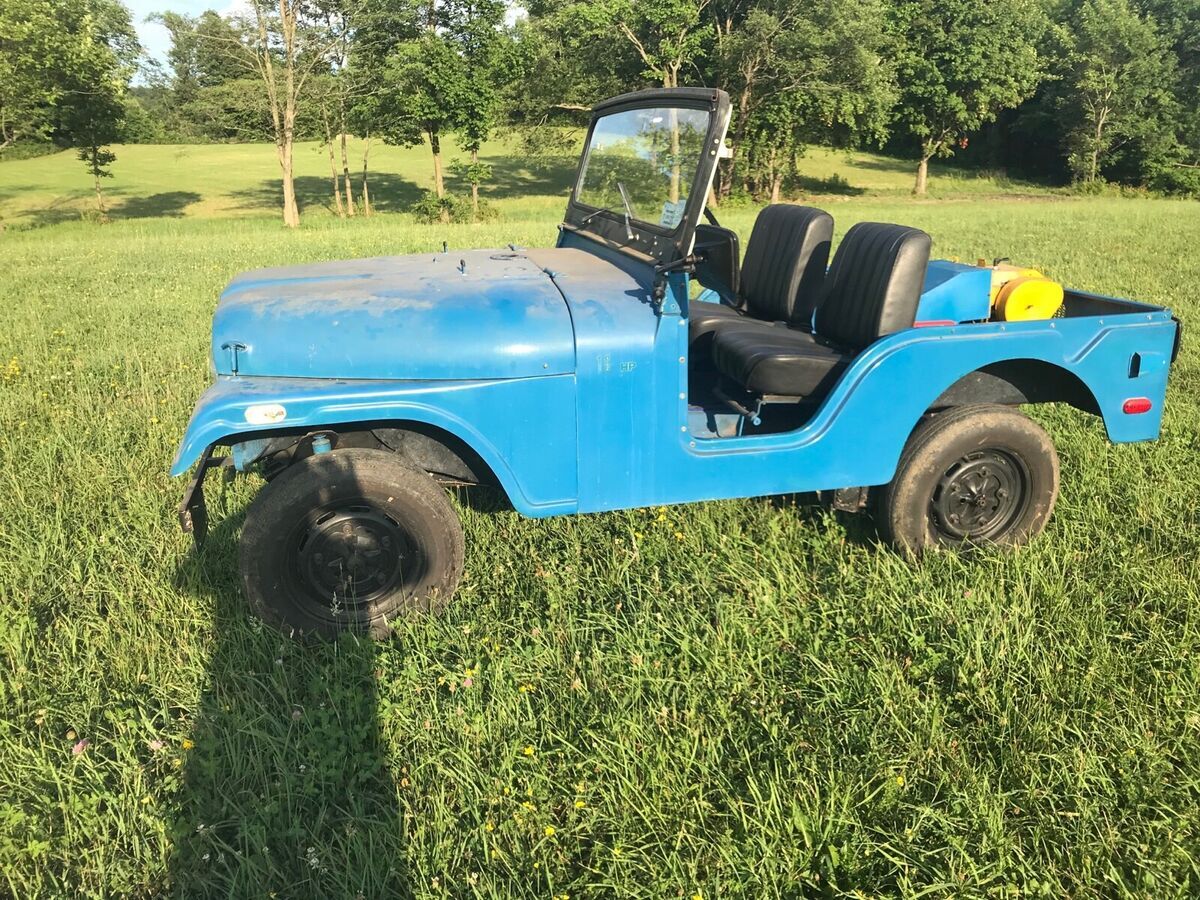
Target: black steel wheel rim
{"points": [[981, 497], [347, 556]]}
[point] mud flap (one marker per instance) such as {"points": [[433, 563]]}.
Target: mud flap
{"points": [[193, 513]]}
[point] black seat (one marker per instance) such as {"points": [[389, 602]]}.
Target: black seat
{"points": [[780, 276], [872, 289]]}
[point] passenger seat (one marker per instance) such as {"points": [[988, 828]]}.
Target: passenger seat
{"points": [[872, 289], [780, 279]]}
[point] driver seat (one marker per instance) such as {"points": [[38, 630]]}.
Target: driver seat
{"points": [[781, 275], [872, 290]]}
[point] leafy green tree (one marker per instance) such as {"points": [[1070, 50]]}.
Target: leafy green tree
{"points": [[423, 84], [958, 64], [1178, 22], [234, 110], [669, 36], [55, 55], [181, 56], [1116, 89], [557, 73], [380, 26], [800, 73], [91, 109], [206, 51], [34, 52], [474, 28], [288, 43]]}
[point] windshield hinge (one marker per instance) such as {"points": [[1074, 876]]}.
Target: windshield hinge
{"points": [[668, 280]]}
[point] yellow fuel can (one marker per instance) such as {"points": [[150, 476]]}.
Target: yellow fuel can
{"points": [[1020, 294]]}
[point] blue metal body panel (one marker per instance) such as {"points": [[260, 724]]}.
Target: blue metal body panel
{"points": [[475, 314], [954, 292], [524, 428], [598, 418]]}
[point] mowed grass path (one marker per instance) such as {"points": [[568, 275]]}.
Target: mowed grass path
{"points": [[735, 699]]}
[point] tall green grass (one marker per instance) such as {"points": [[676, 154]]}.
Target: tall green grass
{"points": [[742, 699]]}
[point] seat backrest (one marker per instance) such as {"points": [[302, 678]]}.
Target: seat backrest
{"points": [[785, 262], [874, 284]]}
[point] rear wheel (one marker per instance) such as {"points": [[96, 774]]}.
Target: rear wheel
{"points": [[349, 541], [970, 475]]}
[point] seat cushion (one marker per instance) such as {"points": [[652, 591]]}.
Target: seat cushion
{"points": [[778, 361], [704, 317]]}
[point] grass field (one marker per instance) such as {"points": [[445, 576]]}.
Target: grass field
{"points": [[218, 180], [736, 699]]}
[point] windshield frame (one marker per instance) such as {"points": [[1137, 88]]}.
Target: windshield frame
{"points": [[658, 243]]}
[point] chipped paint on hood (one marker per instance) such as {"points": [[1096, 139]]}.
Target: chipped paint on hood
{"points": [[461, 315]]}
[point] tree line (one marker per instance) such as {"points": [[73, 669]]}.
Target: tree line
{"points": [[1080, 91]]}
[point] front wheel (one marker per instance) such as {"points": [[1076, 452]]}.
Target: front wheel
{"points": [[349, 540], [970, 475]]}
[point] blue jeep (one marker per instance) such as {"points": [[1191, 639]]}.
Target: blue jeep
{"points": [[638, 363]]}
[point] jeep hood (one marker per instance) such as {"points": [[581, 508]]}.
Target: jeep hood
{"points": [[464, 315]]}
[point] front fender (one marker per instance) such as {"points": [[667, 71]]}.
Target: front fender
{"points": [[523, 428]]}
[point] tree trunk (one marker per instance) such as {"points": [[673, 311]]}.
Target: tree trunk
{"points": [[1097, 142], [922, 177], [435, 144], [475, 184], [337, 194], [99, 197], [366, 194], [291, 211], [439, 184], [346, 170]]}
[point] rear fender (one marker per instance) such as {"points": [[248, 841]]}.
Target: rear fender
{"points": [[522, 429]]}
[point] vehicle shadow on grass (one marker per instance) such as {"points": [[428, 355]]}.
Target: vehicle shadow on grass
{"points": [[860, 527], [286, 789]]}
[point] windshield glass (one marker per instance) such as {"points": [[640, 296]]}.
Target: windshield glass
{"points": [[653, 154]]}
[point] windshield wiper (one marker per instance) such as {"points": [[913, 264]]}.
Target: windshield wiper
{"points": [[628, 210], [607, 209]]}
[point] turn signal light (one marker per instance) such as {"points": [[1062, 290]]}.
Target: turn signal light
{"points": [[1135, 405]]}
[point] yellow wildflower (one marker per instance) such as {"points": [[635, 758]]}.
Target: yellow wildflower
{"points": [[528, 751], [548, 831], [579, 804], [187, 744]]}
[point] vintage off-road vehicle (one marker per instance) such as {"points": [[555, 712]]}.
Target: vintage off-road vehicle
{"points": [[588, 377]]}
